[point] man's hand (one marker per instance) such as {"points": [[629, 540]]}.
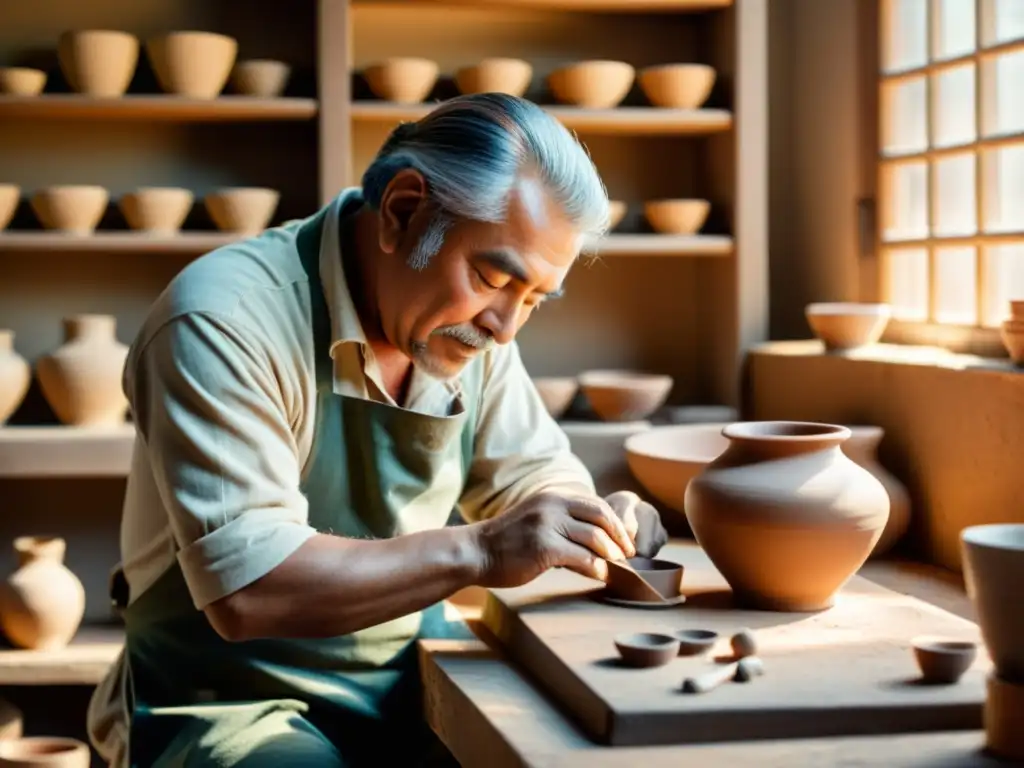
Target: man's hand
{"points": [[642, 522]]}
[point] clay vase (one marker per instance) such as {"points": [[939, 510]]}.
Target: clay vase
{"points": [[81, 380], [785, 515], [42, 602], [44, 752], [862, 447], [15, 376]]}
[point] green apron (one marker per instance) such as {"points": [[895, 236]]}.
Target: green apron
{"points": [[374, 471]]}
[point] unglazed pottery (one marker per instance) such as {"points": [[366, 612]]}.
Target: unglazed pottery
{"points": [[403, 80], [557, 392], [616, 212], [44, 752], [664, 575], [1012, 334], [10, 195], [592, 84], [21, 81], [679, 86], [15, 376], [624, 583], [160, 210], [943, 661], [694, 642], [72, 208], [246, 210], [862, 447], [646, 649], [847, 325], [665, 459], [625, 395], [11, 721], [41, 602], [495, 75], [98, 62], [264, 78], [676, 217], [1003, 716], [993, 565], [785, 515], [192, 64], [81, 380]]}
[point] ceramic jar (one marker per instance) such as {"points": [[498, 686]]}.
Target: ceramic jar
{"points": [[42, 602], [785, 515], [15, 376], [862, 447], [81, 380]]}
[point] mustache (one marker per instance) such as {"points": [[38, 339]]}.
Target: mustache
{"points": [[469, 335]]}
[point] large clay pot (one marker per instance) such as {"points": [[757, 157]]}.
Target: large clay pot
{"points": [[42, 602], [192, 64], [785, 515], [81, 380], [44, 752], [98, 62], [862, 447], [15, 376]]}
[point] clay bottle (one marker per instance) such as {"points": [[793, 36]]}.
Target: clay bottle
{"points": [[862, 447], [41, 602], [15, 376]]}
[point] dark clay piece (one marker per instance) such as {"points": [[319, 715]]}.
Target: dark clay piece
{"points": [[664, 575], [646, 649], [626, 584], [944, 661]]}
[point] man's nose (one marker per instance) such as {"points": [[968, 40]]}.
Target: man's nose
{"points": [[501, 321]]}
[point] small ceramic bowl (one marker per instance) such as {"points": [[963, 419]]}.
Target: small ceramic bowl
{"points": [[616, 212], [625, 395], [847, 325], [942, 660], [557, 392], [495, 75], [693, 642], [592, 84], [647, 649], [403, 80], [682, 216], [22, 81], [664, 575], [264, 78], [679, 86]]}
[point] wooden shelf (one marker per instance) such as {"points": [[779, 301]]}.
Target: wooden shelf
{"points": [[666, 245], [150, 108], [83, 662], [635, 121], [66, 451], [628, 6], [194, 243]]}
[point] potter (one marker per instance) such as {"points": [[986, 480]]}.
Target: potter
{"points": [[312, 404]]}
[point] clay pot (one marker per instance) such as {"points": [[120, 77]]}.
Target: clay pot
{"points": [[646, 649], [1012, 334], [405, 80], [156, 209], [862, 447], [15, 376], [246, 210], [665, 459], [21, 81], [81, 380], [993, 564], [625, 395], [616, 212], [785, 515], [676, 217], [264, 78], [677, 86], [592, 84], [11, 721], [98, 62], [41, 602], [44, 752], [73, 208], [556, 392], [943, 661], [10, 196], [495, 75], [847, 325], [192, 64]]}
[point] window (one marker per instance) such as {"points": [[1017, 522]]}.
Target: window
{"points": [[951, 175]]}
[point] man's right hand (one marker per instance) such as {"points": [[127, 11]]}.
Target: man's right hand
{"points": [[550, 530]]}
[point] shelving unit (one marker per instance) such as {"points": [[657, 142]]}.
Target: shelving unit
{"points": [[155, 108], [65, 451], [84, 662]]}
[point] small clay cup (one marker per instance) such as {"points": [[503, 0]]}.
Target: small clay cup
{"points": [[557, 392], [694, 642], [942, 660], [647, 649], [664, 575]]}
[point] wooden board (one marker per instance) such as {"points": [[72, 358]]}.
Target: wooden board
{"points": [[846, 671]]}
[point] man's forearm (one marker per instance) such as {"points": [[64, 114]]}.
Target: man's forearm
{"points": [[333, 586]]}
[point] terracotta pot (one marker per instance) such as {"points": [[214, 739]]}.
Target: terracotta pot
{"points": [[1012, 334], [993, 564], [403, 80], [246, 210], [81, 380], [192, 64], [847, 325], [556, 392], [15, 376], [495, 75], [676, 217], [592, 84], [677, 86], [10, 196], [264, 78], [862, 447], [156, 209], [785, 515], [616, 212], [73, 208], [98, 62], [625, 395], [11, 721], [21, 81], [41, 602], [44, 752]]}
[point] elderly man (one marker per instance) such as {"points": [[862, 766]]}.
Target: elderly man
{"points": [[312, 404]]}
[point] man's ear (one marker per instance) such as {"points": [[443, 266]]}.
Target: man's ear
{"points": [[404, 195]]}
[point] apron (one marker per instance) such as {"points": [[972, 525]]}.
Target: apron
{"points": [[374, 470]]}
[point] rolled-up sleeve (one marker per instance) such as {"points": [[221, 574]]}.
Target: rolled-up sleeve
{"points": [[210, 411], [519, 450]]}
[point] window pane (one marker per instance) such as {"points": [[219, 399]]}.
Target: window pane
{"points": [[1004, 280], [906, 201], [1002, 20], [908, 283], [1003, 94], [956, 297], [954, 28], [906, 117], [954, 107], [906, 22], [956, 206], [1004, 189]]}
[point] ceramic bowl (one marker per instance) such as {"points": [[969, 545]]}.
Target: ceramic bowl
{"points": [[625, 395], [646, 649], [676, 217], [75, 208], [495, 75], [192, 64], [156, 209], [592, 84], [943, 660], [1012, 335], [247, 210], [664, 459], [98, 62], [10, 196], [616, 213], [557, 392], [21, 81], [403, 80], [664, 575], [847, 325], [263, 78], [679, 86], [44, 751], [694, 642]]}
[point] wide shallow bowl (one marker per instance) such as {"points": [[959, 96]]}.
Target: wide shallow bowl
{"points": [[557, 392], [156, 209], [943, 660], [625, 395], [495, 75], [192, 64], [678, 86], [43, 752], [677, 217], [847, 325], [75, 208], [21, 81], [263, 78], [592, 84], [664, 459], [403, 80], [246, 210], [646, 649], [98, 62]]}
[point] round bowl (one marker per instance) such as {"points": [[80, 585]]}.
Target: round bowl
{"points": [[677, 86], [21, 81], [403, 80], [847, 325], [693, 642], [677, 217], [943, 660], [98, 62], [495, 75], [664, 575], [246, 210], [74, 208], [264, 78], [557, 392], [625, 395], [646, 649], [10, 195], [156, 209], [43, 751], [592, 84], [616, 212], [1012, 334], [192, 64], [664, 459]]}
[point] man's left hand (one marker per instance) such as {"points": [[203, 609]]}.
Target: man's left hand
{"points": [[642, 522]]}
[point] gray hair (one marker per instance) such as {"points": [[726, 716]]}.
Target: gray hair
{"points": [[472, 150]]}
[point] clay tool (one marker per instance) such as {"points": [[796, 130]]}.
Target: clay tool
{"points": [[741, 671]]}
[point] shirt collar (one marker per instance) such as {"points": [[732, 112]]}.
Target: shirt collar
{"points": [[345, 324]]}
